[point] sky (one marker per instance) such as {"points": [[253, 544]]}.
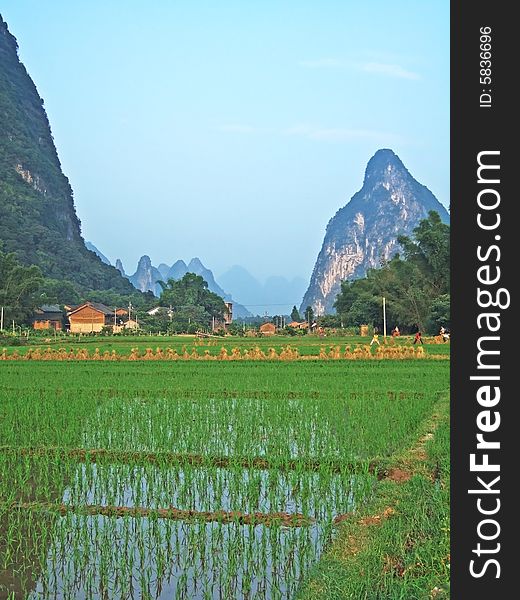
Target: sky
{"points": [[233, 131]]}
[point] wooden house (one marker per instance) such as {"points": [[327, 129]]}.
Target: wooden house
{"points": [[48, 316], [91, 317], [298, 325]]}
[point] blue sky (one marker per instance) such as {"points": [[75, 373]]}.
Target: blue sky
{"points": [[233, 131]]}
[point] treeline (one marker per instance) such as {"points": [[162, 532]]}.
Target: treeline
{"points": [[188, 304], [416, 285], [24, 288]]}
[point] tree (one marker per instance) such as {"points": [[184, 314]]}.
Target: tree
{"points": [[309, 315], [191, 301], [59, 291], [411, 285], [329, 321], [440, 313], [19, 286], [430, 251], [295, 314]]}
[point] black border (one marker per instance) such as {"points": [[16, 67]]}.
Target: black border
{"points": [[475, 129]]}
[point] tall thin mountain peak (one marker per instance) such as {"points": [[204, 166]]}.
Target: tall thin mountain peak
{"points": [[119, 267], [364, 232], [145, 261], [385, 166]]}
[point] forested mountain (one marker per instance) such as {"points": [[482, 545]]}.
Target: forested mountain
{"points": [[38, 220]]}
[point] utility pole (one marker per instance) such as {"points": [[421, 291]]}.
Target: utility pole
{"points": [[2, 319], [384, 317]]}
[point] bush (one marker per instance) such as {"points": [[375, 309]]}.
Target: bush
{"points": [[11, 340]]}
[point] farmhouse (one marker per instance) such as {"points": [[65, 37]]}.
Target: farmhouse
{"points": [[267, 329], [92, 317], [298, 325], [131, 324], [48, 316]]}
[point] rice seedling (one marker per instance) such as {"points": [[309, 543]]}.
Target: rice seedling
{"points": [[195, 472]]}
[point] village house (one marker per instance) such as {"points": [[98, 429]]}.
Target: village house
{"points": [[298, 325], [48, 316], [91, 317]]}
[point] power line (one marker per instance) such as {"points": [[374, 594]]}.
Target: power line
{"points": [[267, 304]]}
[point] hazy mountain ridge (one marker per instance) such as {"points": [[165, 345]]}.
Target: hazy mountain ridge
{"points": [[147, 277], [90, 246], [276, 295]]}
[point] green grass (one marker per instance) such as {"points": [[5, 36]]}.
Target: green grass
{"points": [[406, 555]]}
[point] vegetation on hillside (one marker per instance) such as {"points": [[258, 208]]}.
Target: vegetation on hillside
{"points": [[416, 286], [19, 287], [38, 221]]}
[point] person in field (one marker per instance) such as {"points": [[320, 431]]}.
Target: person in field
{"points": [[375, 337], [418, 338], [396, 332]]}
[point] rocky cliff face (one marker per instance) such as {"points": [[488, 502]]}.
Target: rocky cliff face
{"points": [[120, 268], [146, 276], [364, 233], [38, 220]]}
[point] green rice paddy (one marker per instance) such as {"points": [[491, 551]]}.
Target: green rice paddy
{"points": [[195, 479]]}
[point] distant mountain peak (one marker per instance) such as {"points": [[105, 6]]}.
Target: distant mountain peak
{"points": [[147, 276], [364, 232], [120, 268], [144, 261], [276, 295], [195, 263], [90, 246], [179, 263]]}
